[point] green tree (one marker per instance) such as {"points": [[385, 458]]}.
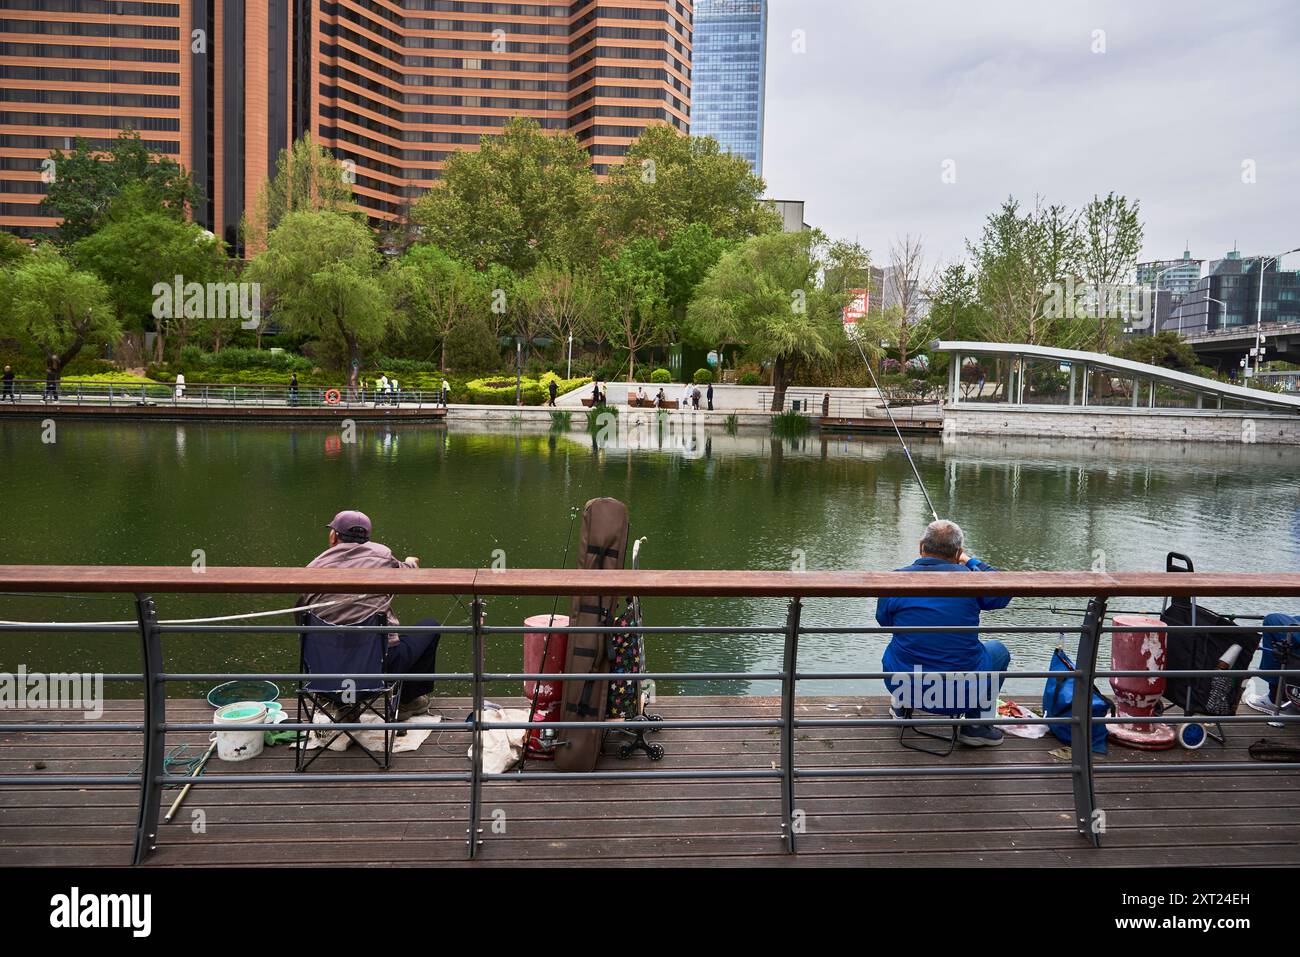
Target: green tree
{"points": [[636, 308], [442, 295], [524, 196], [307, 177], [140, 245], [1016, 258], [321, 272], [12, 250], [56, 307], [87, 179], [669, 181], [955, 309], [684, 261], [1111, 238], [1165, 349], [769, 293], [562, 301]]}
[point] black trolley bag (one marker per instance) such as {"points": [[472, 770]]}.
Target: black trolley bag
{"points": [[1201, 649], [602, 544]]}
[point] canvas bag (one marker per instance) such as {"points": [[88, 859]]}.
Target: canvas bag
{"points": [[1058, 701], [602, 545]]}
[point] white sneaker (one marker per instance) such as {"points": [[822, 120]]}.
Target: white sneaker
{"points": [[1264, 705], [1256, 701]]}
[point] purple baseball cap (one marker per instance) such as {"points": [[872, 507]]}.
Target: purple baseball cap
{"points": [[353, 524]]}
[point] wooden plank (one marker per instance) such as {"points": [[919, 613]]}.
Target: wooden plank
{"points": [[1238, 818], [699, 583]]}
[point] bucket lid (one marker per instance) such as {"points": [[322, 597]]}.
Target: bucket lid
{"points": [[233, 692], [241, 711]]}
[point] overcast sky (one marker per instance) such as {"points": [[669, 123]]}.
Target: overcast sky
{"points": [[861, 124]]}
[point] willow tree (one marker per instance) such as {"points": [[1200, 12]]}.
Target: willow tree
{"points": [[323, 273], [46, 301], [307, 177], [769, 293]]}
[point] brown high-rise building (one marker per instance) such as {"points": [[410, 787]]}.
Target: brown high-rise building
{"points": [[392, 85]]}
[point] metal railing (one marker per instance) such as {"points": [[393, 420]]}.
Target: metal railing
{"points": [[212, 395], [852, 407], [481, 584]]}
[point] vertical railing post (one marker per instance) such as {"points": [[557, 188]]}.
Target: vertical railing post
{"points": [[155, 713], [1085, 800], [789, 664], [476, 744]]}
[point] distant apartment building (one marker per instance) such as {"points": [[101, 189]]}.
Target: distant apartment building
{"points": [[395, 86], [730, 75], [1229, 295]]}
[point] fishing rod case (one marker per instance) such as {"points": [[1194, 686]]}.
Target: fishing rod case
{"points": [[1201, 649], [602, 545]]}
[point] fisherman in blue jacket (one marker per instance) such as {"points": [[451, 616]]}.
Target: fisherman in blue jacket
{"points": [[910, 655]]}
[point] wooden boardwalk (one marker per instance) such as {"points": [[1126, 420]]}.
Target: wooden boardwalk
{"points": [[1243, 817]]}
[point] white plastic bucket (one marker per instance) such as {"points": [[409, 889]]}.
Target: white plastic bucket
{"points": [[240, 745]]}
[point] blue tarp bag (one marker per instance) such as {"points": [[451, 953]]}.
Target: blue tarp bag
{"points": [[1058, 700]]}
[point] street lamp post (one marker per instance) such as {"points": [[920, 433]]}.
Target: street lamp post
{"points": [[1259, 306]]}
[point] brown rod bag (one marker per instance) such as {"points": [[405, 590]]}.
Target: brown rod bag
{"points": [[602, 544]]}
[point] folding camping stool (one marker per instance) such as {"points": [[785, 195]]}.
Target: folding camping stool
{"points": [[326, 651], [919, 732]]}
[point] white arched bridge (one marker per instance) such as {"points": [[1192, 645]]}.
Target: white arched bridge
{"points": [[1019, 374]]}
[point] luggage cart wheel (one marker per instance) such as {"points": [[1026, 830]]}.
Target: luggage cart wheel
{"points": [[654, 718], [656, 752], [624, 752]]}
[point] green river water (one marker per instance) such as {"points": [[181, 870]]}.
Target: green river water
{"points": [[152, 493]]}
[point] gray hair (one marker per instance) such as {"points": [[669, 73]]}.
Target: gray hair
{"points": [[943, 538]]}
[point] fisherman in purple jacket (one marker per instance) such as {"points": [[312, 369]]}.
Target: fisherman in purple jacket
{"points": [[350, 547], [910, 655]]}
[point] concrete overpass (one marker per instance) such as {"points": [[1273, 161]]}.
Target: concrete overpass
{"points": [[1224, 349]]}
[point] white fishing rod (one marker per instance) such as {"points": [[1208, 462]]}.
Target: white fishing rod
{"points": [[897, 431]]}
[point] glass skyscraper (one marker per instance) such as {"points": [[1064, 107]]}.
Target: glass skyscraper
{"points": [[729, 73]]}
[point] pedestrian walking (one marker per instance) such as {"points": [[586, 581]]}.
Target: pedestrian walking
{"points": [[8, 385], [51, 380], [709, 396], [293, 389]]}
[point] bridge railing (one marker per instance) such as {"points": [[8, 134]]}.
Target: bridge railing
{"points": [[478, 585]]}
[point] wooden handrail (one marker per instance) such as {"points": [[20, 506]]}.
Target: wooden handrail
{"points": [[672, 582]]}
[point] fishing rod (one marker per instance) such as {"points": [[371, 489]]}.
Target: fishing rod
{"points": [[1067, 611], [546, 645], [897, 431]]}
